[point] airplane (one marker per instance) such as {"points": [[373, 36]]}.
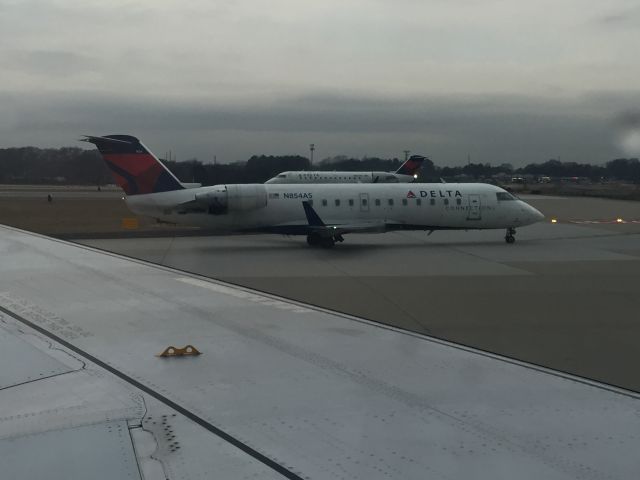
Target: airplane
{"points": [[322, 212], [405, 174]]}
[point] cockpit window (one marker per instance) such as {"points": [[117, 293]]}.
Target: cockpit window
{"points": [[282, 175], [505, 196]]}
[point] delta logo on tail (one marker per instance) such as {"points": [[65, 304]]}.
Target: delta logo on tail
{"points": [[136, 170], [411, 194], [412, 165]]}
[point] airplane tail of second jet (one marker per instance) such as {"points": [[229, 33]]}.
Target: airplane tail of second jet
{"points": [[135, 169], [411, 166]]}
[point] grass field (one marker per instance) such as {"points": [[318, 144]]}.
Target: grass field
{"points": [[79, 217]]}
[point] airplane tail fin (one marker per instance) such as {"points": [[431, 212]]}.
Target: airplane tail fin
{"points": [[135, 169], [312, 217], [412, 165]]}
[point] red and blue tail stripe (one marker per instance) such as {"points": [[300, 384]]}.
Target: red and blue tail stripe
{"points": [[411, 166], [135, 169]]}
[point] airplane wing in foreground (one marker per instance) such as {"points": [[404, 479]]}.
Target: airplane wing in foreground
{"points": [[281, 389]]}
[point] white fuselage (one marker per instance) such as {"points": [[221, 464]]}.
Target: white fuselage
{"points": [[340, 177], [278, 207]]}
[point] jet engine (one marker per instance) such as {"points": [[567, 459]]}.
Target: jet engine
{"points": [[222, 199]]}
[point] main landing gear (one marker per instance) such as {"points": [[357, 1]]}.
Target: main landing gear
{"points": [[509, 237], [317, 240]]}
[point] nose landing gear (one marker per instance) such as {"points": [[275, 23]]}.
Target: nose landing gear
{"points": [[509, 237]]}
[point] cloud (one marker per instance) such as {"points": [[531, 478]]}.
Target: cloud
{"points": [[620, 17], [504, 81], [494, 129], [52, 63], [628, 126]]}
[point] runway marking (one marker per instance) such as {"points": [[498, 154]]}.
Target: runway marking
{"points": [[252, 297]]}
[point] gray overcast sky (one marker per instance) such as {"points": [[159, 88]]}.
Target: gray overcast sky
{"points": [[505, 81]]}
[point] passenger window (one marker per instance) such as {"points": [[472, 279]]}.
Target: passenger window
{"points": [[404, 202], [391, 202], [458, 201], [418, 201], [364, 202], [324, 203], [337, 202], [432, 201], [446, 201], [377, 202], [351, 202]]}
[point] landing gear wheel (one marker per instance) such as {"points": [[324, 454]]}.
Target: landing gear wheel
{"points": [[313, 239], [509, 237]]}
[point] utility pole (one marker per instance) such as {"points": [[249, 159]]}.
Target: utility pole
{"points": [[406, 154], [312, 147]]}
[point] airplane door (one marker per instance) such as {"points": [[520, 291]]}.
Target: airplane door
{"points": [[364, 202], [474, 208]]}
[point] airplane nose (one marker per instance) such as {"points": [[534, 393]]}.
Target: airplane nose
{"points": [[536, 215], [530, 214]]}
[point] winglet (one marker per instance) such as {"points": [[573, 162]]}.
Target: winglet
{"points": [[312, 217]]}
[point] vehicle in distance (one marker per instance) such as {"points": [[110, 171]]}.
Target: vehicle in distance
{"points": [[322, 212], [405, 174]]}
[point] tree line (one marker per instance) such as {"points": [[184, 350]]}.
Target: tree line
{"points": [[75, 166]]}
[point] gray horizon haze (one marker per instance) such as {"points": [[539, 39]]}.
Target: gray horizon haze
{"points": [[503, 82]]}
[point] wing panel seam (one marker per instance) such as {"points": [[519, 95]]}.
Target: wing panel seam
{"points": [[170, 403]]}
